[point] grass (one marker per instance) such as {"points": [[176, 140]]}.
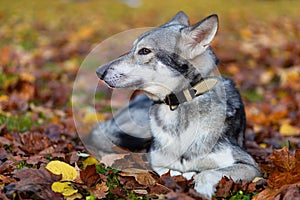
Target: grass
{"points": [[110, 16], [20, 123]]}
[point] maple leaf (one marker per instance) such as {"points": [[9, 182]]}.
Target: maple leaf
{"points": [[285, 174]]}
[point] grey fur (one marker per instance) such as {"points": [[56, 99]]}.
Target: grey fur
{"points": [[205, 135]]}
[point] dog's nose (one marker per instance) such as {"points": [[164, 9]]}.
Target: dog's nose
{"points": [[101, 72]]}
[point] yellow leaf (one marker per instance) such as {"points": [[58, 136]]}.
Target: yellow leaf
{"points": [[94, 117], [4, 98], [256, 179], [246, 34], [287, 130], [263, 145], [27, 77], [64, 188], [74, 196], [90, 161], [68, 172]]}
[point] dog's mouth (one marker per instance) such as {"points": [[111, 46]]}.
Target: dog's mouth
{"points": [[134, 85]]}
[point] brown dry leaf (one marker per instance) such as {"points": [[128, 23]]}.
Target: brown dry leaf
{"points": [[35, 159], [159, 189], [119, 192], [283, 159], [38, 181], [143, 177], [178, 195], [25, 89], [6, 179], [109, 159], [100, 191], [124, 161], [34, 142], [286, 192], [169, 182], [284, 177], [225, 187], [4, 141], [130, 183], [89, 176]]}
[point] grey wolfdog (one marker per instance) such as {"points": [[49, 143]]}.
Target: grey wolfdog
{"points": [[193, 121]]}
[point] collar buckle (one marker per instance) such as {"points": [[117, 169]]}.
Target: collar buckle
{"points": [[174, 100]]}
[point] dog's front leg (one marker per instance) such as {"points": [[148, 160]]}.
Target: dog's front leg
{"points": [[206, 181]]}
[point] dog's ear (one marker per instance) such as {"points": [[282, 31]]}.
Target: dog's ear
{"points": [[195, 39], [179, 18]]}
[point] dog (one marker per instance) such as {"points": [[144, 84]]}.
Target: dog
{"points": [[194, 121]]}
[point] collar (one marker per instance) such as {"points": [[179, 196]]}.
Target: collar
{"points": [[174, 99]]}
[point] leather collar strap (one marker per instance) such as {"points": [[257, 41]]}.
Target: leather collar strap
{"points": [[173, 100]]}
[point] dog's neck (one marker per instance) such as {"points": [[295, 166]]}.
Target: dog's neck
{"points": [[173, 100]]}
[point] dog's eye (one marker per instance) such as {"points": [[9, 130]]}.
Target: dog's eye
{"points": [[144, 51]]}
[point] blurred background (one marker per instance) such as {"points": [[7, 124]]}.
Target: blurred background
{"points": [[42, 44]]}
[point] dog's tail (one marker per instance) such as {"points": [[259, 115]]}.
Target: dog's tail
{"points": [[129, 129]]}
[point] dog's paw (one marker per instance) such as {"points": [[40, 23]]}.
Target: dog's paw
{"points": [[206, 181], [188, 175], [206, 190]]}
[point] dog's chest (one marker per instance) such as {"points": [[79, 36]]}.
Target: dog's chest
{"points": [[187, 128], [174, 131]]}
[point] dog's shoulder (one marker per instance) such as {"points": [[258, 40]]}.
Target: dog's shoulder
{"points": [[235, 114], [233, 97]]}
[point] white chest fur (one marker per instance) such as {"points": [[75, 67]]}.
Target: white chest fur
{"points": [[185, 137]]}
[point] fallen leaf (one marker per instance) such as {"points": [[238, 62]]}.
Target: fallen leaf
{"points": [[100, 191], [73, 197], [4, 98], [119, 192], [159, 189], [143, 177], [90, 161], [6, 179], [271, 194], [288, 130], [38, 181], [27, 77], [283, 159], [89, 176], [178, 195], [225, 187], [34, 142], [68, 172], [64, 188]]}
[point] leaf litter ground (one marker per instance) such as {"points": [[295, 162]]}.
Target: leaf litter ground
{"points": [[39, 61]]}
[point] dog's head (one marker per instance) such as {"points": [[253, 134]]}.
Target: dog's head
{"points": [[166, 59]]}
